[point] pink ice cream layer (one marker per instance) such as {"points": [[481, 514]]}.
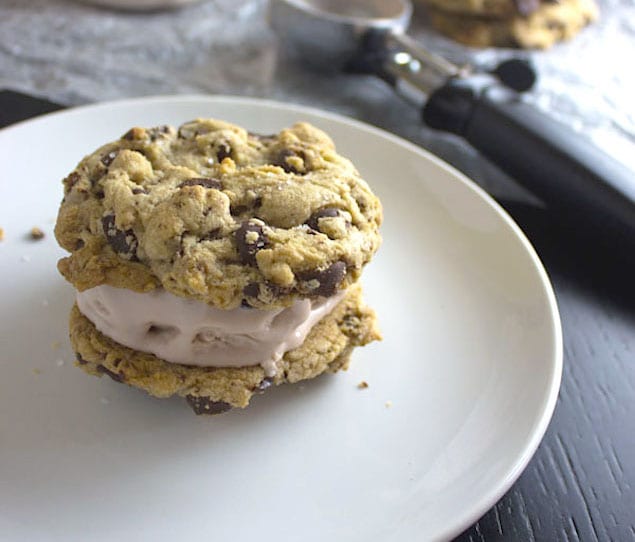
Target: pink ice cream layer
{"points": [[180, 330]]}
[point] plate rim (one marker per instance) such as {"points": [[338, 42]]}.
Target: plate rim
{"points": [[469, 514]]}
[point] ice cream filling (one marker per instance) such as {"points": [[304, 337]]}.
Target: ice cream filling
{"points": [[191, 332]]}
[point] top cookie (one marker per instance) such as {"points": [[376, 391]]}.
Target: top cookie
{"points": [[218, 214]]}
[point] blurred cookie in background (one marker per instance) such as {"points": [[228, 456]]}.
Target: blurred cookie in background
{"points": [[528, 24]]}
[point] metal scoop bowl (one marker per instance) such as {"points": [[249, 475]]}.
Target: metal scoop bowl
{"points": [[328, 33]]}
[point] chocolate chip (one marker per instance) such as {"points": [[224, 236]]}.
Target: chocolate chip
{"points": [[281, 160], [238, 210], [95, 176], [224, 151], [526, 7], [141, 152], [79, 244], [80, 359], [362, 203], [206, 182], [158, 132], [324, 282], [122, 242], [117, 377], [328, 212], [250, 238], [265, 291], [107, 159], [204, 405], [252, 289], [136, 191], [212, 235], [71, 180], [133, 134]]}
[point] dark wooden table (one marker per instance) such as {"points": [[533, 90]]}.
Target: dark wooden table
{"points": [[579, 485]]}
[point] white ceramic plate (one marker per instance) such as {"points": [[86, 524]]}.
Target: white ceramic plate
{"points": [[471, 364]]}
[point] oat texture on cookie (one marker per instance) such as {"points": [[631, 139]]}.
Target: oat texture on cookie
{"points": [[212, 212]]}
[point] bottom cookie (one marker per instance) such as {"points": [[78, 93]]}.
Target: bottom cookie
{"points": [[207, 390], [549, 24]]}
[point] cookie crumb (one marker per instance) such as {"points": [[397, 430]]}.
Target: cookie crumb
{"points": [[362, 385], [36, 371], [388, 404], [36, 233], [59, 362], [1, 234], [55, 345]]}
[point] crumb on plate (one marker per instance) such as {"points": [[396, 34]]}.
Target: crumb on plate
{"points": [[36, 233]]}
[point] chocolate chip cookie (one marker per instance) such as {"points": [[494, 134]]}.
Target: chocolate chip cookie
{"points": [[492, 8], [212, 212], [234, 233], [506, 23]]}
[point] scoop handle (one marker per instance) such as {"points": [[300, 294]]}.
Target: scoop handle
{"points": [[563, 168]]}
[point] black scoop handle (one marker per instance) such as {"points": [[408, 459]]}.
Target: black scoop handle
{"points": [[564, 169]]}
